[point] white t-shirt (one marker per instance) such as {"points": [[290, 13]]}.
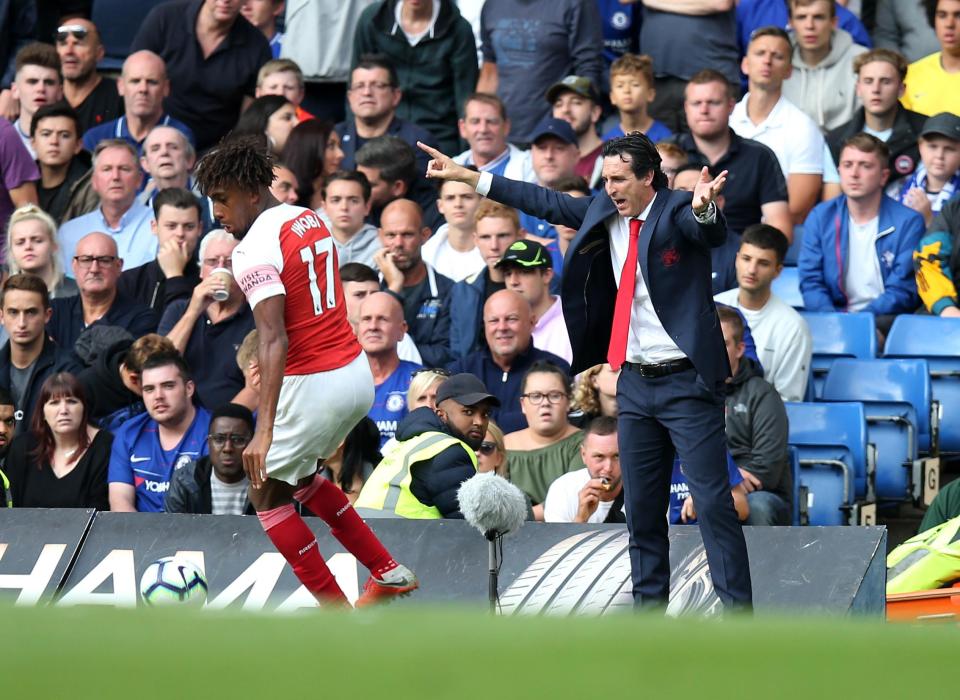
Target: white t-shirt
{"points": [[783, 341], [228, 499], [788, 132], [863, 279], [448, 261], [882, 135], [563, 499]]}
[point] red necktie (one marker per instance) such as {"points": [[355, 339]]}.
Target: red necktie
{"points": [[620, 331]]}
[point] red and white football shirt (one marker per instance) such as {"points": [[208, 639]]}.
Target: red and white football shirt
{"points": [[289, 251]]}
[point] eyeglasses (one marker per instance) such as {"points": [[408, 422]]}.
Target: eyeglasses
{"points": [[537, 397], [88, 260], [77, 31], [219, 440], [432, 370], [360, 87], [487, 448], [224, 261]]}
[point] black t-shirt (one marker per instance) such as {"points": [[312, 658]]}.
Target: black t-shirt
{"points": [[55, 200], [85, 486], [490, 288], [104, 104]]}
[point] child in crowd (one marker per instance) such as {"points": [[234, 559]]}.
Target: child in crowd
{"points": [[631, 92], [282, 76]]}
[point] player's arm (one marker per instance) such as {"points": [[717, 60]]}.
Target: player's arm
{"points": [[272, 358]]}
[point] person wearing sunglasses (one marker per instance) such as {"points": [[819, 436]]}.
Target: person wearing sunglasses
{"points": [[492, 453], [94, 97], [215, 483]]}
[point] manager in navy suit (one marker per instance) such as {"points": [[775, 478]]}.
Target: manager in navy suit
{"points": [[664, 332]]}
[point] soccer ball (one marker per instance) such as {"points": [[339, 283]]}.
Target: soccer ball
{"points": [[173, 581]]}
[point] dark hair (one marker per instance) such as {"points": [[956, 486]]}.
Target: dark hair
{"points": [[348, 176], [26, 282], [39, 54], [544, 367], [805, 3], [601, 425], [178, 198], [57, 386], [771, 30], [304, 153], [166, 359], [370, 61], [255, 118], [730, 315], [931, 8], [868, 143], [235, 162], [145, 347], [357, 272], [572, 183], [486, 98], [362, 444], [766, 237], [56, 109], [234, 410], [641, 154], [438, 183], [392, 156], [6, 398]]}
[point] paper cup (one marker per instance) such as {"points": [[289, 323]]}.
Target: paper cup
{"points": [[225, 275]]}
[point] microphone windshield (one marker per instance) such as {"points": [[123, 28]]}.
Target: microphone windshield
{"points": [[492, 504]]}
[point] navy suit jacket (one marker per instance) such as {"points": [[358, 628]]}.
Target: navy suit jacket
{"points": [[674, 259]]}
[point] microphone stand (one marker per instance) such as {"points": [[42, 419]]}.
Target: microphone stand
{"points": [[493, 537]]}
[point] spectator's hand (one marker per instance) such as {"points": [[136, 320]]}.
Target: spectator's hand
{"points": [[951, 312], [750, 482], [203, 293], [589, 500], [688, 513], [442, 167], [173, 257], [255, 457], [707, 190], [392, 274], [9, 107], [917, 200]]}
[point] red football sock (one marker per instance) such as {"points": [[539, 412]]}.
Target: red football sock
{"points": [[293, 539], [324, 499]]}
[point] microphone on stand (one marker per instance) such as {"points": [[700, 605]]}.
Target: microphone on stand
{"points": [[495, 507]]}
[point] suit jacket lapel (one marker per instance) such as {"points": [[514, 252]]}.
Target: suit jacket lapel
{"points": [[646, 233]]}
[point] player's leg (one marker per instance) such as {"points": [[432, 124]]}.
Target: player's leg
{"points": [[294, 540]]}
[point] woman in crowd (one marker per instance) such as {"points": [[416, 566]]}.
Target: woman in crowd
{"points": [[595, 395], [312, 152], [423, 388], [271, 115], [32, 247], [355, 459], [550, 445], [492, 455], [61, 461]]}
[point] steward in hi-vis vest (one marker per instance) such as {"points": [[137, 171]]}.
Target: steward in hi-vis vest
{"points": [[436, 452]]}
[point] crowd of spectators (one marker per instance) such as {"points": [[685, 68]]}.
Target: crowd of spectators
{"points": [[128, 370]]}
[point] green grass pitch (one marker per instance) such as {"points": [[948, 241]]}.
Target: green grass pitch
{"points": [[427, 653]]}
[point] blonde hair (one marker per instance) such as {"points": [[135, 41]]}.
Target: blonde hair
{"points": [[31, 212], [279, 65], [420, 383], [247, 352], [585, 394], [633, 64], [497, 435]]}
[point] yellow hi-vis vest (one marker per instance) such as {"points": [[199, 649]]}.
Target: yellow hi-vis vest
{"points": [[387, 492], [926, 561], [5, 489]]}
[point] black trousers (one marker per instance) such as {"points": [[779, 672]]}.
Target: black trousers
{"points": [[658, 416]]}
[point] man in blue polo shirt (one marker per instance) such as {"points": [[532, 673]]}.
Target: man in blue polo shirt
{"points": [[147, 449], [143, 84], [380, 328]]}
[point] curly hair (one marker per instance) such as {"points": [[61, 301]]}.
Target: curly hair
{"points": [[240, 162], [585, 394]]}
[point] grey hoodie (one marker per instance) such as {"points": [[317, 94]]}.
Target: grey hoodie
{"points": [[826, 91]]}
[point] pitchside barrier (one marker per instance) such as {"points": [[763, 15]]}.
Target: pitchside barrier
{"points": [[76, 557]]}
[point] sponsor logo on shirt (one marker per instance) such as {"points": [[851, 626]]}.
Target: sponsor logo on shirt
{"points": [[150, 485]]}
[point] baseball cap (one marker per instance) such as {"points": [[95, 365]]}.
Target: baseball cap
{"points": [[526, 254], [551, 126], [466, 390], [944, 124], [574, 83]]}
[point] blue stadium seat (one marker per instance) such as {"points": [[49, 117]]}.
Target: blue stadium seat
{"points": [[937, 340], [838, 335], [831, 444], [118, 22], [793, 252], [897, 399], [798, 505], [787, 287]]}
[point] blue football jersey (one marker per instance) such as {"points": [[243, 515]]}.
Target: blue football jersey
{"points": [[138, 459], [679, 488], [390, 400]]}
